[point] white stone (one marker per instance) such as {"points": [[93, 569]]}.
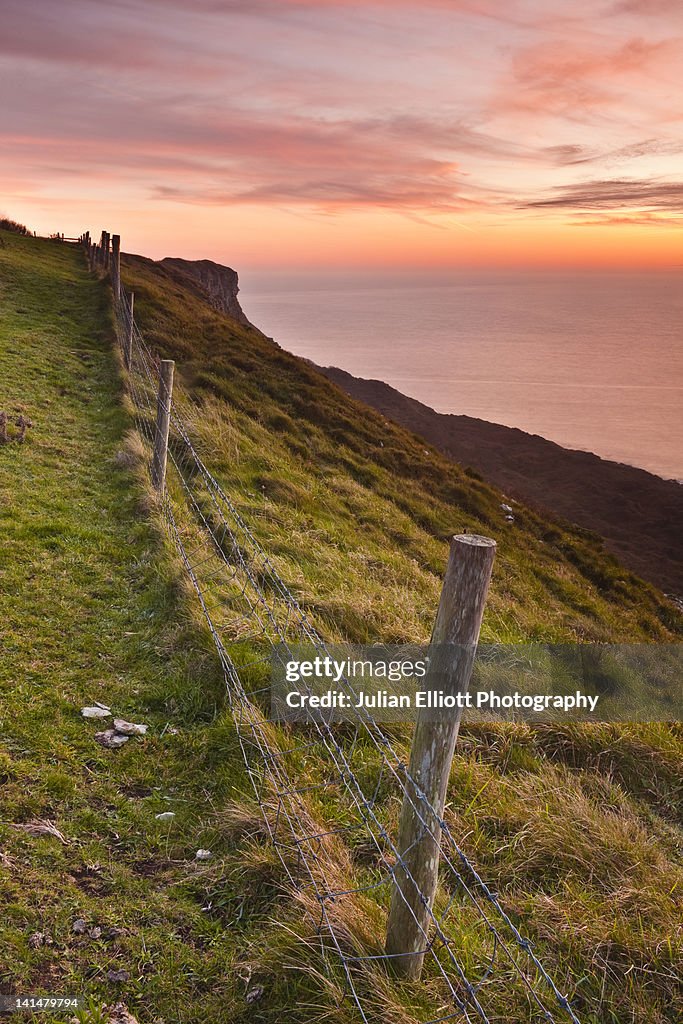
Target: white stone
{"points": [[95, 712]]}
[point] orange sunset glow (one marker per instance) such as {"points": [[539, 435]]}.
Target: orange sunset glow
{"points": [[304, 134]]}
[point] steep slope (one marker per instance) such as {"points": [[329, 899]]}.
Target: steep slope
{"points": [[357, 510], [638, 514], [578, 829], [570, 824]]}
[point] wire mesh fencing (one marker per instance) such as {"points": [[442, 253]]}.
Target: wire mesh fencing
{"points": [[335, 833]]}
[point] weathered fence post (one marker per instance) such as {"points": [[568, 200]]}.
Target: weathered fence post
{"points": [[128, 340], [116, 266], [163, 422], [457, 624], [105, 249]]}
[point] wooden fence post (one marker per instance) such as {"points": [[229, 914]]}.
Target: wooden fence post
{"points": [[163, 422], [457, 623], [116, 266], [128, 340], [105, 249]]}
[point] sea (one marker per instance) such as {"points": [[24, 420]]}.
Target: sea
{"points": [[590, 360]]}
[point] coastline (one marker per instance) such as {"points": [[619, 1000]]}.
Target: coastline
{"points": [[636, 513]]}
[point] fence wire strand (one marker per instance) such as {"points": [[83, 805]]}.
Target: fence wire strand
{"points": [[253, 617]]}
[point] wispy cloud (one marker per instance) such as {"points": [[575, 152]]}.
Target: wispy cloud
{"points": [[568, 155], [650, 220], [648, 8], [614, 195], [435, 193], [564, 79]]}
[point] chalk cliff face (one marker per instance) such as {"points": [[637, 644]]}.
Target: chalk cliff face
{"points": [[218, 282]]}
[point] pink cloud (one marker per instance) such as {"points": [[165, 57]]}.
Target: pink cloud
{"points": [[236, 159], [556, 77], [486, 8], [330, 104], [648, 8]]}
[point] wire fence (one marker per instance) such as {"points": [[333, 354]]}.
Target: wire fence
{"points": [[334, 836]]}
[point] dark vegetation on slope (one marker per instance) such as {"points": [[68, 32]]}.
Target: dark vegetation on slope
{"points": [[638, 514], [7, 224]]}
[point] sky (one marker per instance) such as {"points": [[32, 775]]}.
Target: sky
{"points": [[345, 134]]}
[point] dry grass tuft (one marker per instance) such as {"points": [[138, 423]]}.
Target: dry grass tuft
{"points": [[131, 455]]}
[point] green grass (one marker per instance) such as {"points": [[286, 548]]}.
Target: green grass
{"points": [[579, 829], [356, 511], [89, 611]]}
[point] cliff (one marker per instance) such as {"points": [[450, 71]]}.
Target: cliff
{"points": [[636, 513], [218, 283]]}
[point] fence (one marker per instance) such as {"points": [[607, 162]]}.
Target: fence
{"points": [[253, 617]]}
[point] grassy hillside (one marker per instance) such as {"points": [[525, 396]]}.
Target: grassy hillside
{"points": [[357, 511], [579, 830], [621, 503]]}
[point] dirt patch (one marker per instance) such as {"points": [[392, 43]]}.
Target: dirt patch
{"points": [[136, 792], [151, 867]]}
